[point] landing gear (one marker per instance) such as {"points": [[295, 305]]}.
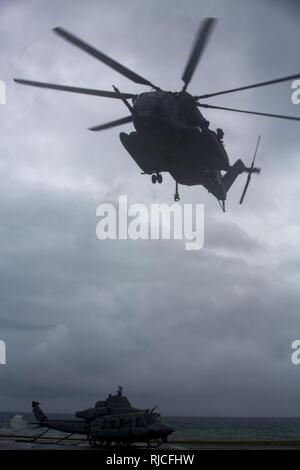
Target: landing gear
{"points": [[154, 443], [124, 443], [176, 195], [156, 178]]}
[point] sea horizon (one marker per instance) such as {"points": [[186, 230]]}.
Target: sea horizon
{"points": [[186, 428]]}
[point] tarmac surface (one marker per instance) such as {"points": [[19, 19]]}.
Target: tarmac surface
{"points": [[20, 443]]}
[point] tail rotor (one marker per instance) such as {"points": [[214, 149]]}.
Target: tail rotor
{"points": [[251, 170]]}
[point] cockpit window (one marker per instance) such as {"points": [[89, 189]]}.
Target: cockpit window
{"points": [[151, 418], [139, 422]]}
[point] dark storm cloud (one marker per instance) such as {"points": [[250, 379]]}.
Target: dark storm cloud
{"points": [[204, 332]]}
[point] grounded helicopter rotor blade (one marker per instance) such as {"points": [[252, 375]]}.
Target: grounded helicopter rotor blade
{"points": [[102, 57], [110, 124], [73, 89], [250, 174], [201, 41], [248, 87], [256, 113]]}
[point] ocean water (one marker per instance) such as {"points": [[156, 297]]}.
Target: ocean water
{"points": [[188, 428], [235, 428]]}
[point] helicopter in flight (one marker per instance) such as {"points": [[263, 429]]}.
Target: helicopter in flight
{"points": [[110, 422], [171, 134]]}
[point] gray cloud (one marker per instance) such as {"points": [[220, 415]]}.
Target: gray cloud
{"points": [[204, 333]]}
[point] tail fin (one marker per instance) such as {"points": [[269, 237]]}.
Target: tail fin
{"points": [[232, 174], [38, 413]]}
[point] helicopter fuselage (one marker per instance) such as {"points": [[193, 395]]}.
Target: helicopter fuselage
{"points": [[173, 136], [106, 425], [164, 110]]}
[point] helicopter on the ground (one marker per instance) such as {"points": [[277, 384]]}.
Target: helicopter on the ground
{"points": [[112, 421], [171, 133]]}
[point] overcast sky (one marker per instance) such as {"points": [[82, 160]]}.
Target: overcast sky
{"points": [[197, 333]]}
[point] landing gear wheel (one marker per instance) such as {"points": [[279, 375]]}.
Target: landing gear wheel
{"points": [[154, 179], [124, 443], [94, 443], [159, 178], [154, 443]]}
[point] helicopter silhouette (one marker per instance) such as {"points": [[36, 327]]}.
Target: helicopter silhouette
{"points": [[110, 422], [171, 134]]}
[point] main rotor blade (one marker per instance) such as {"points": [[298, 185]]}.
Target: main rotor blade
{"points": [[108, 125], [102, 57], [256, 113], [201, 41], [248, 87], [73, 89]]}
